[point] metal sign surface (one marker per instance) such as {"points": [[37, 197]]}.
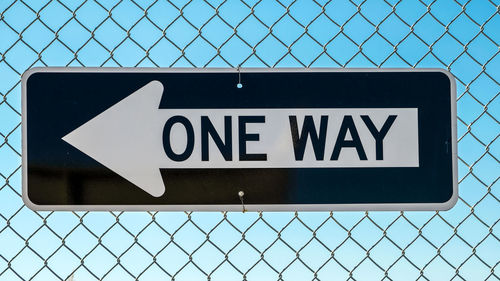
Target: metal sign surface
{"points": [[290, 139]]}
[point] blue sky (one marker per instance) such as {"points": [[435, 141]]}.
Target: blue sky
{"points": [[258, 34]]}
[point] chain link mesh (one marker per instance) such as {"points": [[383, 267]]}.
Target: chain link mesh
{"points": [[461, 244]]}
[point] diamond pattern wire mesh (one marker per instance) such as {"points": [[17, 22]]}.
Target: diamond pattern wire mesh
{"points": [[461, 244]]}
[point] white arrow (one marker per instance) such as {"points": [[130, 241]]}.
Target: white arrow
{"points": [[120, 138], [127, 138]]}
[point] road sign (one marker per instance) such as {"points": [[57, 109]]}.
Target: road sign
{"points": [[289, 139]]}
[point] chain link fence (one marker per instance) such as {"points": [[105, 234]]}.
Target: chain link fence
{"points": [[460, 244]]}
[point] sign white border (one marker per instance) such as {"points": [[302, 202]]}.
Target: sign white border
{"points": [[248, 207]]}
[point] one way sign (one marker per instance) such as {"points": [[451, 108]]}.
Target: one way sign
{"points": [[183, 139]]}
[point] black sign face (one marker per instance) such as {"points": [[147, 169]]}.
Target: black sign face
{"points": [[287, 139]]}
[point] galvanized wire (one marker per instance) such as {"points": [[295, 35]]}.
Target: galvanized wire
{"points": [[460, 244]]}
